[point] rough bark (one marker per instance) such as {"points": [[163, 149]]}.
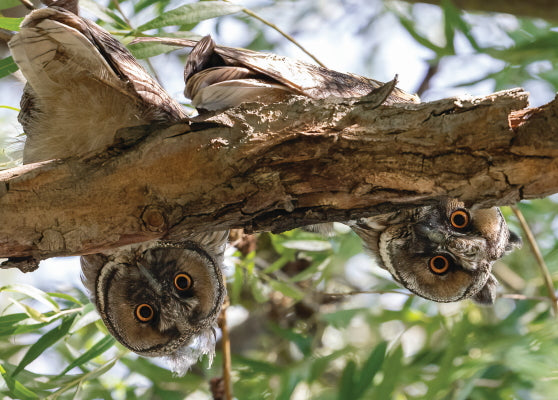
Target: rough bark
{"points": [[545, 9], [280, 166]]}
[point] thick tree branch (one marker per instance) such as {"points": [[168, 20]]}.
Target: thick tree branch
{"points": [[545, 9], [280, 166]]}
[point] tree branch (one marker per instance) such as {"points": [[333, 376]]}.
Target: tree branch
{"points": [[545, 9], [276, 167]]}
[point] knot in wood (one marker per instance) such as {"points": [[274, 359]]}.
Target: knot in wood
{"points": [[154, 219]]}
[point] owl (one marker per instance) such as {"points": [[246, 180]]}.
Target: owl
{"points": [[156, 298], [161, 298], [443, 252]]}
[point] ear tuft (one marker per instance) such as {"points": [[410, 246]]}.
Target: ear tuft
{"points": [[487, 294], [514, 241]]}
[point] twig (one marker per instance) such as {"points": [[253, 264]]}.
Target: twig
{"points": [[425, 84], [127, 20], [27, 4], [538, 256], [285, 34], [355, 292], [514, 296], [226, 348], [6, 35]]}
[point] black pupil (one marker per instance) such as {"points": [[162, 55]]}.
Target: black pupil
{"points": [[459, 220], [439, 263], [182, 282], [145, 312]]}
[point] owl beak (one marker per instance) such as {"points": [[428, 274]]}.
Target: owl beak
{"points": [[150, 279], [433, 235]]}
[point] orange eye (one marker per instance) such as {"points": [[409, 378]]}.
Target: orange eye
{"points": [[439, 264], [182, 282], [460, 219], [144, 312]]}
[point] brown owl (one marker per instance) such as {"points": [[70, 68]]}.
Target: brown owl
{"points": [[442, 253], [157, 299]]}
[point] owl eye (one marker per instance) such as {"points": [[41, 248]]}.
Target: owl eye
{"points": [[460, 219], [182, 282], [439, 264], [144, 312]]}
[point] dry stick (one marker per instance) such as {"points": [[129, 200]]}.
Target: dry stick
{"points": [[226, 348], [425, 84], [538, 256], [285, 34], [6, 35], [27, 4]]}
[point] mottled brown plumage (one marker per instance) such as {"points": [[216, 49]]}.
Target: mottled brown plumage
{"points": [[419, 247], [82, 87]]}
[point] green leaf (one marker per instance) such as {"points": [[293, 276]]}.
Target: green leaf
{"points": [[391, 370], [191, 14], [96, 350], [7, 67], [87, 377], [144, 50], [347, 383], [288, 290], [17, 390], [31, 312], [5, 4], [370, 369], [46, 341], [10, 108], [11, 24], [32, 292], [65, 296]]}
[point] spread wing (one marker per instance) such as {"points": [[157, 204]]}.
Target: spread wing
{"points": [[82, 86], [215, 76]]}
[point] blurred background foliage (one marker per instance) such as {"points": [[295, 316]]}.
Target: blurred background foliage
{"points": [[312, 317]]}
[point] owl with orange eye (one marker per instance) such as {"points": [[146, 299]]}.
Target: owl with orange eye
{"points": [[442, 252], [160, 298]]}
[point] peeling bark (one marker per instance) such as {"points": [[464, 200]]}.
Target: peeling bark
{"points": [[280, 166]]}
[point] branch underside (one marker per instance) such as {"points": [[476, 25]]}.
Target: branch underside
{"points": [[276, 167]]}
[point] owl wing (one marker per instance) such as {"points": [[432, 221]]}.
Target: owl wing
{"points": [[82, 86], [230, 72]]}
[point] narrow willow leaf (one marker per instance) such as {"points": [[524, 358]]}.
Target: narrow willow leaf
{"points": [[191, 14], [88, 316], [46, 341], [84, 378], [288, 290], [32, 292], [347, 381], [7, 67], [10, 108], [149, 49], [31, 312], [96, 350], [370, 369], [11, 319], [65, 297], [5, 4], [11, 24], [17, 390]]}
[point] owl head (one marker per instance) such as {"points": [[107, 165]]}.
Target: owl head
{"points": [[442, 252], [160, 298]]}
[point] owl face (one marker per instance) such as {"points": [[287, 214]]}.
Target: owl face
{"points": [[443, 252], [157, 300]]}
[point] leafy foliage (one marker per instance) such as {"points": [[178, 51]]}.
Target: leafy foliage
{"points": [[319, 319]]}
